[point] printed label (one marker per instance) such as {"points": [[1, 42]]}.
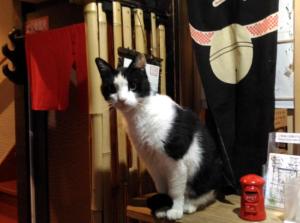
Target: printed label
{"points": [[287, 137], [37, 25]]}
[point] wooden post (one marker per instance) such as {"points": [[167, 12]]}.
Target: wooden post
{"points": [[162, 54], [297, 72], [297, 66]]}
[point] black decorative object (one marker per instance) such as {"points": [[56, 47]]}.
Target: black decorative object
{"points": [[16, 56]]}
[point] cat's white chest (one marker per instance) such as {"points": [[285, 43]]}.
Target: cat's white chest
{"points": [[149, 126]]}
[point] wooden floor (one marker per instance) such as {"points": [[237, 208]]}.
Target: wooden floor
{"points": [[219, 212]]}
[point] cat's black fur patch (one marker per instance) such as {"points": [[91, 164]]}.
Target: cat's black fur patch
{"points": [[209, 175], [158, 202], [136, 77], [206, 179], [107, 75], [137, 80], [182, 132], [180, 137]]}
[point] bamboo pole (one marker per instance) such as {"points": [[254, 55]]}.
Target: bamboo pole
{"points": [[105, 165], [97, 108], [139, 29], [127, 37], [162, 54], [102, 24], [118, 43], [154, 47], [127, 30], [121, 177], [117, 27]]}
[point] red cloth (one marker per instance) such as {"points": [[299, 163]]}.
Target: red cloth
{"points": [[50, 57]]}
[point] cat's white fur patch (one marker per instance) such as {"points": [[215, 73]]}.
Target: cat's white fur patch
{"points": [[193, 157], [123, 98], [191, 205]]}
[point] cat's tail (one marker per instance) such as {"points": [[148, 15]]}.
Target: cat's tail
{"points": [[159, 201]]}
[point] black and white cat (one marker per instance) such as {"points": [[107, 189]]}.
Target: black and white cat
{"points": [[178, 152]]}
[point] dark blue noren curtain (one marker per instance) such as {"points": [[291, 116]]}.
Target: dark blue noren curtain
{"points": [[235, 46]]}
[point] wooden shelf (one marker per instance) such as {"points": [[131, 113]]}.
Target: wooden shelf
{"points": [[219, 212]]}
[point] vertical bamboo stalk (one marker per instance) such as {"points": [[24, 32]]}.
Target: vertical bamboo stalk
{"points": [[127, 43], [127, 30], [118, 43], [162, 54], [102, 24], [105, 165], [97, 106], [92, 52], [127, 37], [140, 33], [154, 47], [117, 27], [121, 177]]}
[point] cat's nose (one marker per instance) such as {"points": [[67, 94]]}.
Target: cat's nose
{"points": [[122, 100]]}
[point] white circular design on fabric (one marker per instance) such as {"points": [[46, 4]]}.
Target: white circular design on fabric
{"points": [[231, 53]]}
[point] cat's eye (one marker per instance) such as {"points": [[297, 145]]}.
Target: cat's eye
{"points": [[133, 86], [112, 88]]}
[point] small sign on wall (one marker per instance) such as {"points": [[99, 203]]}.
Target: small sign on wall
{"points": [[37, 25], [284, 83], [281, 168], [286, 20]]}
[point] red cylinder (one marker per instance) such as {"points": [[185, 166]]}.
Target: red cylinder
{"points": [[252, 198]]}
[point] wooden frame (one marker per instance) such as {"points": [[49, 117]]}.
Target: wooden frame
{"points": [[297, 66]]}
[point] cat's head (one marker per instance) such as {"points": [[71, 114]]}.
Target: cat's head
{"points": [[124, 88]]}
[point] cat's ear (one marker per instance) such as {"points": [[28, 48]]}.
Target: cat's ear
{"points": [[104, 68], [140, 61]]}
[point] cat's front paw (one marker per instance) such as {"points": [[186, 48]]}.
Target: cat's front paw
{"points": [[189, 208], [160, 214], [174, 214]]}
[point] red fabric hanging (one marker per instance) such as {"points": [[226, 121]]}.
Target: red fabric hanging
{"points": [[50, 57]]}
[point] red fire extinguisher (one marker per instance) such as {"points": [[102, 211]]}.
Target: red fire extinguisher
{"points": [[252, 198]]}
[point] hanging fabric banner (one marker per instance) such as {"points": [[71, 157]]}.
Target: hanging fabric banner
{"points": [[235, 47]]}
